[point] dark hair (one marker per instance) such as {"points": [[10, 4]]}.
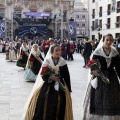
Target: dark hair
{"points": [[53, 47], [108, 35], [86, 38]]}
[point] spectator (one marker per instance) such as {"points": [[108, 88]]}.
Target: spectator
{"points": [[87, 51]]}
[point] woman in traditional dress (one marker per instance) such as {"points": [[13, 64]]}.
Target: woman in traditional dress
{"points": [[11, 52], [33, 64], [102, 101], [47, 100], [29, 46], [23, 56], [63, 50]]}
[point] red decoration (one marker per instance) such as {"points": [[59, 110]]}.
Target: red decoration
{"points": [[31, 59], [22, 53], [91, 62], [43, 70], [7, 51]]}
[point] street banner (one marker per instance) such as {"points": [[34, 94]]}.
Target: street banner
{"points": [[38, 14], [2, 28], [72, 29]]}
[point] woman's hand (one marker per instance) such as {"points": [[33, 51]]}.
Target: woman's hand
{"points": [[53, 77], [95, 72]]}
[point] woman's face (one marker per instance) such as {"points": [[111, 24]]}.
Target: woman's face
{"points": [[35, 47], [108, 41], [56, 52], [24, 44]]}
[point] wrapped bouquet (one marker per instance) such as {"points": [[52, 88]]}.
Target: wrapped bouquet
{"points": [[94, 65], [47, 70]]}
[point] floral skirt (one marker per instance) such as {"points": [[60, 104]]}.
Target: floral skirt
{"points": [[29, 75]]}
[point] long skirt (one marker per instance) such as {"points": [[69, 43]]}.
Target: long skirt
{"points": [[12, 55], [105, 100], [29, 75], [49, 104]]}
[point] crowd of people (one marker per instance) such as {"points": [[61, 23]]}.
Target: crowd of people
{"points": [[50, 98]]}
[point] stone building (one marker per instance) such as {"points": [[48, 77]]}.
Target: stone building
{"points": [[81, 18], [13, 12], [104, 18]]}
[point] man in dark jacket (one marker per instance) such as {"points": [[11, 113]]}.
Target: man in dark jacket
{"points": [[87, 51], [68, 50]]}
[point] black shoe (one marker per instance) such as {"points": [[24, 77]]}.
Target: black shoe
{"points": [[84, 66]]}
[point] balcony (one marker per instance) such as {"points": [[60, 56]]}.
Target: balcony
{"points": [[99, 27], [118, 9], [108, 12], [108, 25], [117, 24], [93, 16], [100, 14]]}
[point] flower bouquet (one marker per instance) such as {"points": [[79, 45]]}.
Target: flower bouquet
{"points": [[94, 65], [30, 62], [7, 54], [21, 55], [47, 70]]}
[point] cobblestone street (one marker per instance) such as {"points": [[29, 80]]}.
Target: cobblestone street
{"points": [[14, 91]]}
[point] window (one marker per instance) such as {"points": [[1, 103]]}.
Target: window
{"points": [[118, 7], [100, 24], [83, 25], [78, 25], [108, 23], [117, 21], [100, 13], [83, 16], [93, 37], [65, 17], [93, 25], [109, 9], [77, 16], [117, 35], [93, 13]]}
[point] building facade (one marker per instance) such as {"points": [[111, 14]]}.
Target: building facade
{"points": [[104, 18], [10, 10], [81, 18]]}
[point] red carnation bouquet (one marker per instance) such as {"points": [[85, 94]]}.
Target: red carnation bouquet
{"points": [[47, 70], [30, 62], [31, 59], [94, 65], [22, 53], [7, 52]]}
